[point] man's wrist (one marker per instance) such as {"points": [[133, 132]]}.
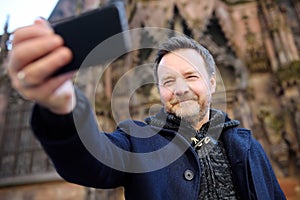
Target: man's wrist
{"points": [[66, 109], [65, 104]]}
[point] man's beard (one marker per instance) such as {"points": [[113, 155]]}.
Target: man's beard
{"points": [[191, 111]]}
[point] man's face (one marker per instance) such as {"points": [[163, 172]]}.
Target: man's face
{"points": [[184, 85]]}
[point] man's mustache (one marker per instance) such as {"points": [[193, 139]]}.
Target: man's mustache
{"points": [[177, 100]]}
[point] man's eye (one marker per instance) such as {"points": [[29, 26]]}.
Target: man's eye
{"points": [[168, 82], [192, 77]]}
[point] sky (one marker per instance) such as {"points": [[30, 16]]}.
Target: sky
{"points": [[23, 12]]}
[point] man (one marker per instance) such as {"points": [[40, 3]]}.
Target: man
{"points": [[187, 151]]}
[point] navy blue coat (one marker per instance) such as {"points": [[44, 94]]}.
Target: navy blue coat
{"points": [[170, 174]]}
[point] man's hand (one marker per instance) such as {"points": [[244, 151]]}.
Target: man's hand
{"points": [[37, 52]]}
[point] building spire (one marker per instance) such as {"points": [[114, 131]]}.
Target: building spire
{"points": [[3, 41]]}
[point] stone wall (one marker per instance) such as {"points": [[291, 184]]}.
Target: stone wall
{"points": [[58, 190]]}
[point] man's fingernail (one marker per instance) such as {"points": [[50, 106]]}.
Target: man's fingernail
{"points": [[43, 21]]}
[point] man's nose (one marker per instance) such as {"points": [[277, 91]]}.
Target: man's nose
{"points": [[181, 87]]}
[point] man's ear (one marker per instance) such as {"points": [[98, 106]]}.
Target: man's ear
{"points": [[213, 83]]}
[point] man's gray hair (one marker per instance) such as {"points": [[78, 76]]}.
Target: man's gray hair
{"points": [[183, 42]]}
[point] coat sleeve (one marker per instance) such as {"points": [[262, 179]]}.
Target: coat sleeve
{"points": [[81, 153], [263, 177]]}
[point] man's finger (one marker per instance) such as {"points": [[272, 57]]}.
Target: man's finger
{"points": [[35, 73]]}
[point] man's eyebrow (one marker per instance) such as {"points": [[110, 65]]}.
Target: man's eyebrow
{"points": [[191, 72], [167, 77]]}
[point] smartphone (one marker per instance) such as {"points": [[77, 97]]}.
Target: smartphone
{"points": [[105, 28]]}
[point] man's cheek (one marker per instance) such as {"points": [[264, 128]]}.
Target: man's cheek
{"points": [[165, 95]]}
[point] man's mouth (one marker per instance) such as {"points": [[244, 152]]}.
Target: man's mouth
{"points": [[182, 101], [177, 101]]}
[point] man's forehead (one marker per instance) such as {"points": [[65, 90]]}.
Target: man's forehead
{"points": [[183, 60], [169, 69]]}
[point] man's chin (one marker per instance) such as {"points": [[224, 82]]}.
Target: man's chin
{"points": [[187, 116], [184, 109], [187, 112]]}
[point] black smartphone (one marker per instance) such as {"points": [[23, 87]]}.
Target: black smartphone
{"points": [[105, 28]]}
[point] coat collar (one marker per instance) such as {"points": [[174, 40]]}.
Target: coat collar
{"points": [[218, 122], [237, 144]]}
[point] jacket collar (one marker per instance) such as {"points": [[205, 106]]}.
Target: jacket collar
{"points": [[218, 122], [237, 144]]}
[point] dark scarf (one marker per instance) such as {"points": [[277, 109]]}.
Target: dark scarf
{"points": [[216, 177], [218, 122]]}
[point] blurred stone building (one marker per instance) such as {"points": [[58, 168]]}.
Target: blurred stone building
{"points": [[256, 45]]}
